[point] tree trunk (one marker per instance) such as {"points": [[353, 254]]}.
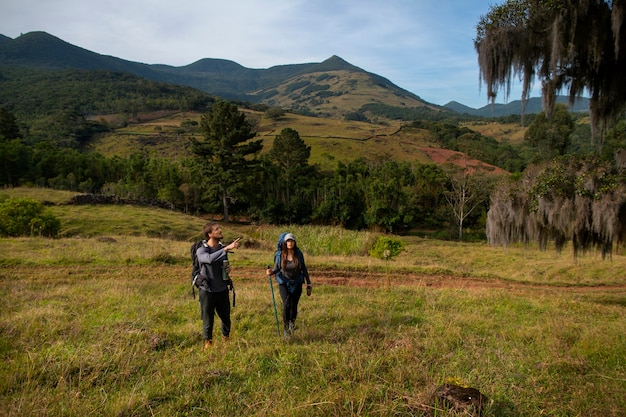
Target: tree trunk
{"points": [[225, 204]]}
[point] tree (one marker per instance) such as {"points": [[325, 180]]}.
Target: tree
{"points": [[551, 137], [291, 154], [582, 200], [225, 149], [274, 113], [8, 125], [389, 196], [340, 199], [570, 45], [467, 192]]}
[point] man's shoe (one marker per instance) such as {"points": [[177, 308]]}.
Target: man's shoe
{"points": [[208, 343]]}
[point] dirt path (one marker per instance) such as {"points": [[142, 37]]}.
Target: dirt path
{"points": [[369, 279]]}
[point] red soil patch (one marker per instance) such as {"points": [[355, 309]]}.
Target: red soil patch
{"points": [[441, 156]]}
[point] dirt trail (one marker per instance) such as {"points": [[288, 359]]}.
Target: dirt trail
{"points": [[369, 279]]}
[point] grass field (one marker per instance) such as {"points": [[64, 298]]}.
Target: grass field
{"points": [[102, 322]]}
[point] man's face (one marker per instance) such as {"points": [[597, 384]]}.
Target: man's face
{"points": [[216, 233]]}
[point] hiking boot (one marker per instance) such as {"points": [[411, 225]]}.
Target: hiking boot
{"points": [[287, 334], [225, 338], [208, 343], [292, 327]]}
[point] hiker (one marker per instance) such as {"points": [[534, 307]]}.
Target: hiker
{"points": [[213, 293], [291, 272]]}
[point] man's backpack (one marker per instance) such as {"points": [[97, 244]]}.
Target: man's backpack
{"points": [[195, 269]]}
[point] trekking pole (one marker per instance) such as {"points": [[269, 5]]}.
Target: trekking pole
{"points": [[274, 301]]}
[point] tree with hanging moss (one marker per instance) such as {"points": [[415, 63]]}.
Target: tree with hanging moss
{"points": [[571, 45], [569, 199]]}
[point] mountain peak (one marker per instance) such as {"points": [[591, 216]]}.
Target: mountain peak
{"points": [[335, 63]]}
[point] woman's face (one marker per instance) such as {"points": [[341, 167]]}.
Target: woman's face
{"points": [[290, 244]]}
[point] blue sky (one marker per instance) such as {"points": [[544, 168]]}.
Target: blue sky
{"points": [[423, 46]]}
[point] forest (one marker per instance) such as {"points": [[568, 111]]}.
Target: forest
{"points": [[280, 186]]}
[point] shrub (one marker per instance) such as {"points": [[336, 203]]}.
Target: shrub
{"points": [[27, 217], [386, 248]]}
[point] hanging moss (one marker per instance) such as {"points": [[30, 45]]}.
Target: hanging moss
{"points": [[577, 200], [572, 45]]}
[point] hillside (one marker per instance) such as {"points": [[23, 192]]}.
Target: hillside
{"points": [[352, 113], [331, 140]]}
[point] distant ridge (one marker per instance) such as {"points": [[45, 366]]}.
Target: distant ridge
{"points": [[533, 105]]}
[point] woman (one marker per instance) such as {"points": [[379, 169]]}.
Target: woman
{"points": [[291, 272]]}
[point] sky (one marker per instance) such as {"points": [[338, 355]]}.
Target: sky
{"points": [[423, 46]]}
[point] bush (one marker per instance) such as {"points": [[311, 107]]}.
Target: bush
{"points": [[27, 217], [386, 248]]}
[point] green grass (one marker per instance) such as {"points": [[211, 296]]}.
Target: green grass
{"points": [[101, 322]]}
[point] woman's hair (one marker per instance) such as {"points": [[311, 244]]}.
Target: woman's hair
{"points": [[283, 259]]}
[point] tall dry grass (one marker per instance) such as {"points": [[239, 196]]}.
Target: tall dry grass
{"points": [[109, 328], [100, 323]]}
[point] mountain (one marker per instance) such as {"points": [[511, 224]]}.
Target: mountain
{"points": [[332, 88], [533, 105]]}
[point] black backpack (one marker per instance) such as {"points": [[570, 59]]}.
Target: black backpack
{"points": [[195, 269]]}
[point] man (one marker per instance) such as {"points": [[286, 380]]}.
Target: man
{"points": [[213, 289]]}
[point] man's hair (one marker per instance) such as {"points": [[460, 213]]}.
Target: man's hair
{"points": [[208, 228]]}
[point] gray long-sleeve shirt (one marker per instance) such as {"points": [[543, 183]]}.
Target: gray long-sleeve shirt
{"points": [[211, 263]]}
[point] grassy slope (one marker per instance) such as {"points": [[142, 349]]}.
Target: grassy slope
{"points": [[331, 140], [508, 132], [107, 326]]}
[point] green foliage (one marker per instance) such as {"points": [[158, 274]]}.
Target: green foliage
{"points": [[37, 96], [340, 198], [275, 113], [550, 136], [27, 217], [226, 149], [577, 199], [356, 116], [386, 248], [462, 139], [8, 125], [296, 86], [404, 113]]}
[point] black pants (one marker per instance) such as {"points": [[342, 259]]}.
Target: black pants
{"points": [[290, 303], [211, 303]]}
